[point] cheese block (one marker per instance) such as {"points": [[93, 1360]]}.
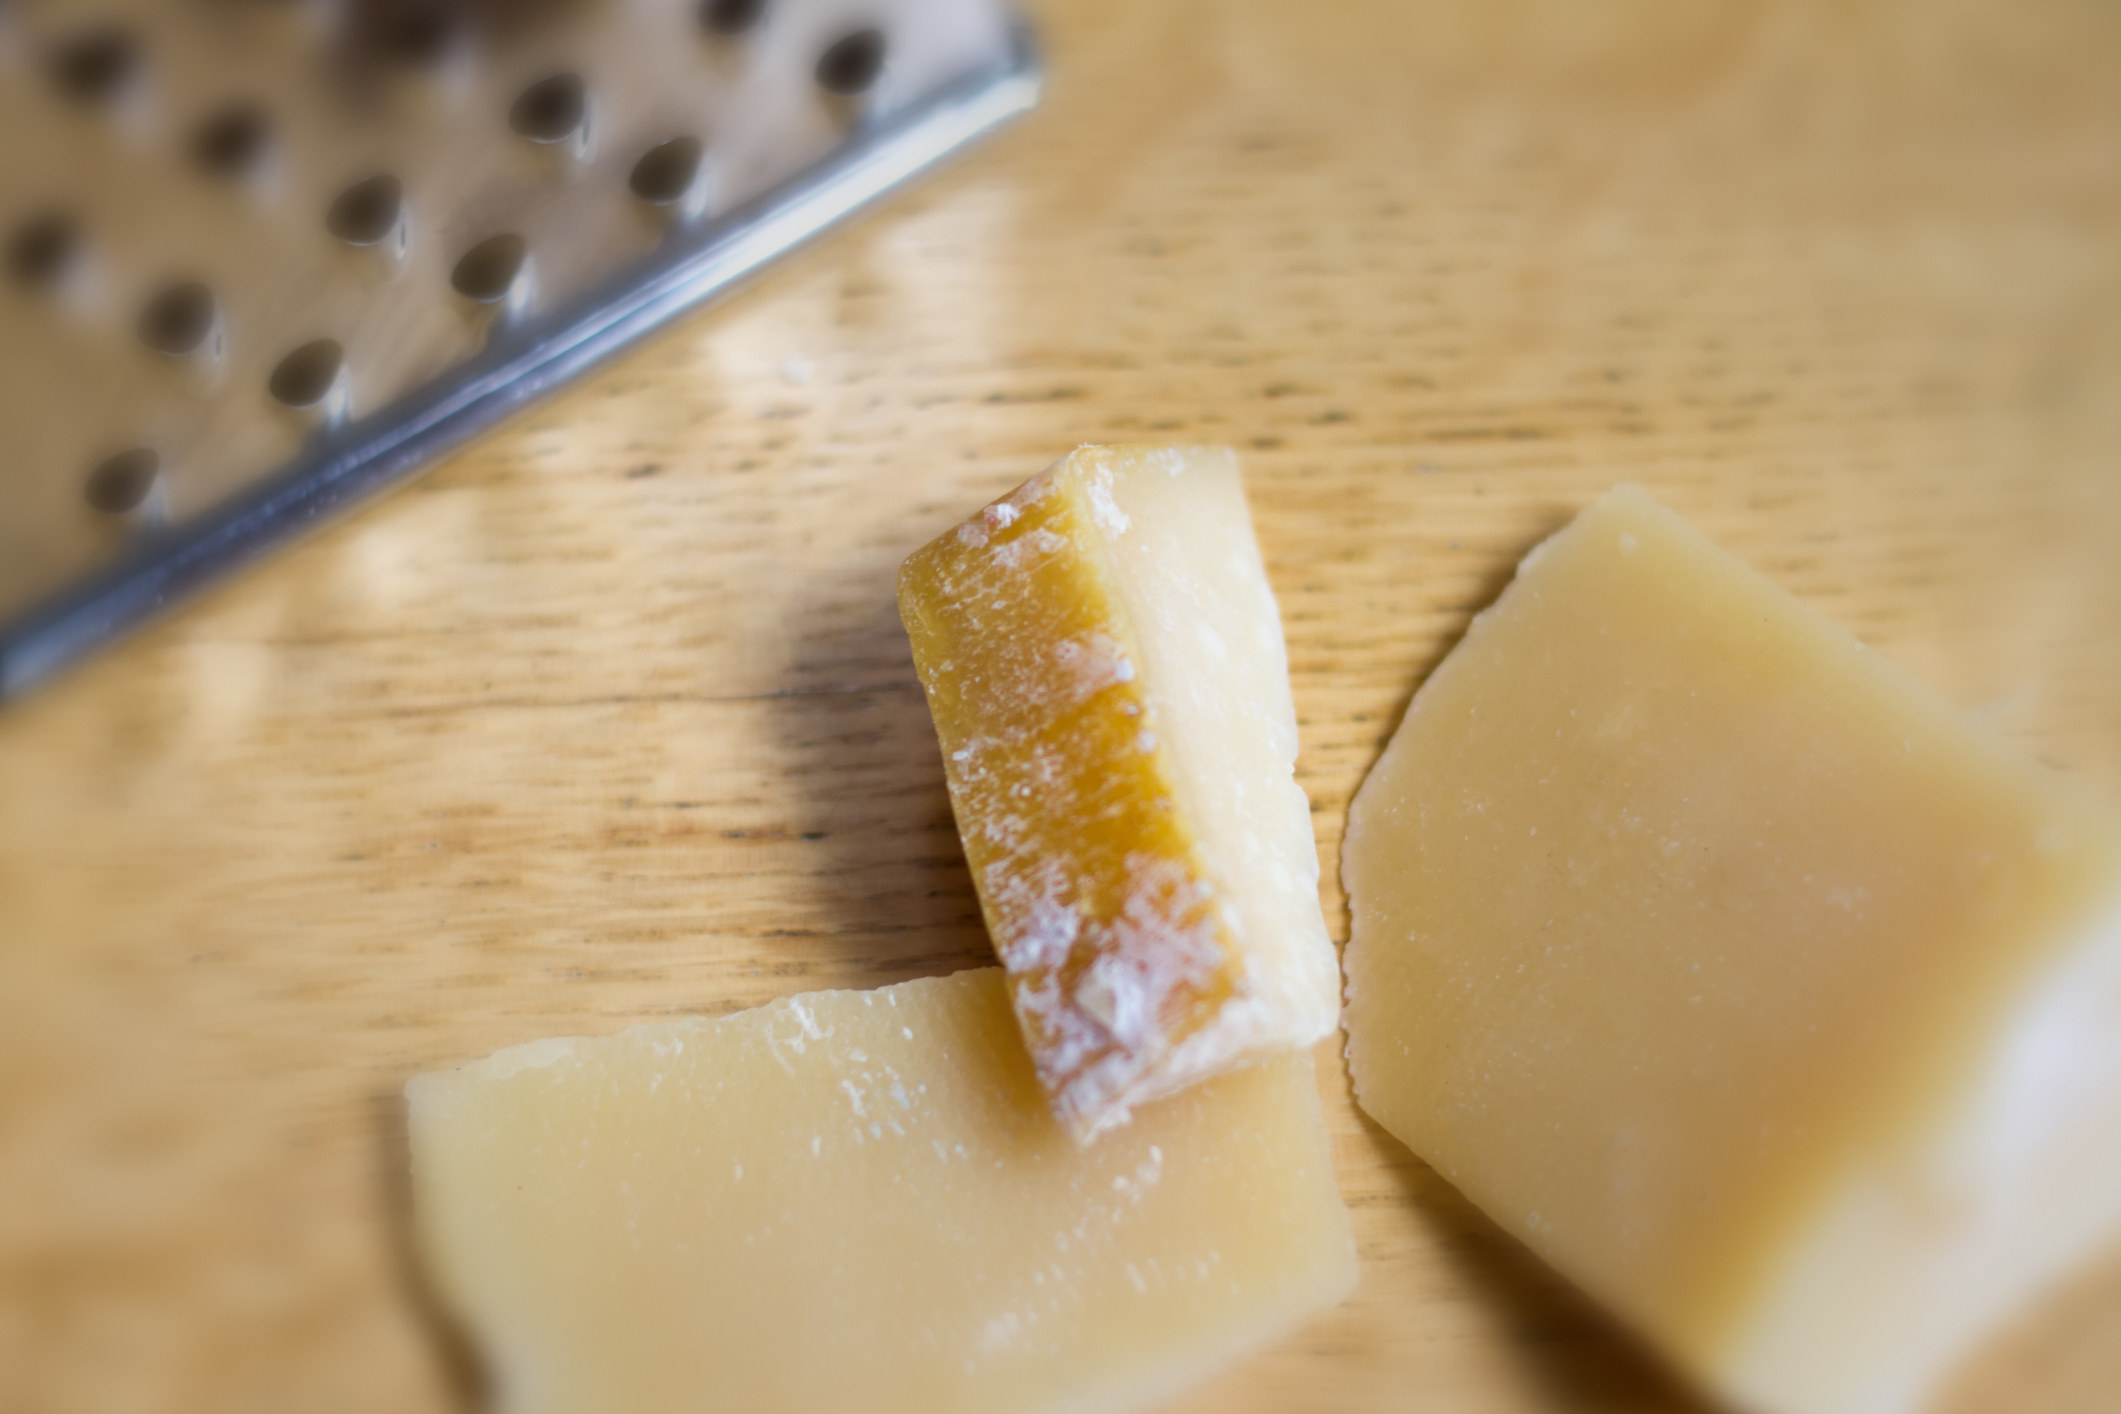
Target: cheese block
{"points": [[1736, 975], [1104, 664], [860, 1201]]}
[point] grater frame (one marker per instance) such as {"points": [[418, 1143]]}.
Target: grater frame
{"points": [[366, 457]]}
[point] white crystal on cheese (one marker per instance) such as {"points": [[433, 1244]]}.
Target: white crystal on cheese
{"points": [[1104, 661]]}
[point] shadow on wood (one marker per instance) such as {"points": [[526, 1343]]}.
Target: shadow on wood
{"points": [[864, 783], [462, 1373], [1570, 1349]]}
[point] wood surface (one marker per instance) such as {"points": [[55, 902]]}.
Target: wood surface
{"points": [[611, 717]]}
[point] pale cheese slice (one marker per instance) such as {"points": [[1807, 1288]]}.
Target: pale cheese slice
{"points": [[860, 1201], [1737, 975], [1104, 663]]}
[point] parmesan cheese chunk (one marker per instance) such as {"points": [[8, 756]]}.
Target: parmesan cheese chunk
{"points": [[860, 1201], [1105, 666], [1736, 975]]}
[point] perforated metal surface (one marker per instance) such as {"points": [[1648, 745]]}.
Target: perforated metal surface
{"points": [[264, 256]]}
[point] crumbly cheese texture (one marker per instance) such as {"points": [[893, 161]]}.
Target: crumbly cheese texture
{"points": [[1736, 975], [860, 1201], [1104, 662]]}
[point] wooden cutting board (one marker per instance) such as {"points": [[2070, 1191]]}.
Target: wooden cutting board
{"points": [[611, 718]]}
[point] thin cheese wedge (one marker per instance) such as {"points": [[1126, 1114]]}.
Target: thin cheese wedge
{"points": [[1737, 975], [860, 1201], [1104, 663]]}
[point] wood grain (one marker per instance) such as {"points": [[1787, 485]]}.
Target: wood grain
{"points": [[611, 717]]}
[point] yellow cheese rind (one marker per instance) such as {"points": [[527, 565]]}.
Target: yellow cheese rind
{"points": [[1684, 928], [1103, 661], [860, 1200]]}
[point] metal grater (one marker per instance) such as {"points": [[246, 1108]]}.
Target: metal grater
{"points": [[264, 257]]}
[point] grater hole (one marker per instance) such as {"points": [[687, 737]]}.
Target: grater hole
{"points": [[43, 249], [97, 67], [850, 67], [179, 320], [731, 17], [550, 110], [120, 485], [666, 171], [418, 33], [367, 211], [305, 377], [489, 269], [232, 143]]}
